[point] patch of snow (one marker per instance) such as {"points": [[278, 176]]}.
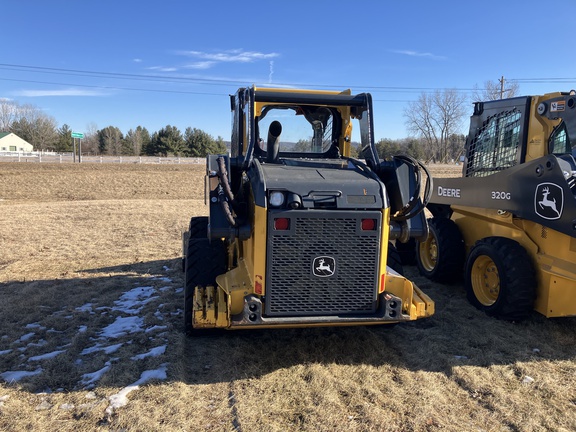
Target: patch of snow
{"points": [[46, 356], [85, 308], [154, 352], [35, 326], [133, 301], [162, 279], [40, 343], [89, 379], [25, 337], [120, 399], [123, 326], [155, 328], [8, 351], [528, 380], [109, 349], [14, 376], [44, 405], [82, 329]]}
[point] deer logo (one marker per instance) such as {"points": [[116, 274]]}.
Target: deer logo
{"points": [[323, 266], [549, 201]]}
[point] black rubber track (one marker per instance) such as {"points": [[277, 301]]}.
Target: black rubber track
{"points": [[205, 260], [198, 227], [517, 278], [407, 251], [394, 261]]}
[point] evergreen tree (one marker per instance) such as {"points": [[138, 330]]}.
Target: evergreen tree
{"points": [[167, 141], [65, 141], [200, 143]]}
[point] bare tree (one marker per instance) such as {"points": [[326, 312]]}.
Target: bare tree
{"points": [[494, 90], [9, 112], [434, 117], [36, 127], [90, 143], [137, 140]]}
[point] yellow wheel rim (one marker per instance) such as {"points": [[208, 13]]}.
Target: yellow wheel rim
{"points": [[429, 253], [485, 280]]}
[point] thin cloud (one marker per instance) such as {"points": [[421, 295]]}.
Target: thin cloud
{"points": [[200, 65], [162, 68], [137, 60], [58, 93], [419, 54], [230, 56]]}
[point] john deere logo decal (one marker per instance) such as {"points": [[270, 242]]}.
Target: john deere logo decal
{"points": [[549, 201], [323, 266]]}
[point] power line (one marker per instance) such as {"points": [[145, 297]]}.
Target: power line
{"points": [[206, 81], [113, 88]]}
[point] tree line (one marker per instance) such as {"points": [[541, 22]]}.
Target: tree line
{"points": [[42, 131], [434, 122]]}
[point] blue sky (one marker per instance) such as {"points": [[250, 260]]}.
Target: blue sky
{"points": [[154, 63]]}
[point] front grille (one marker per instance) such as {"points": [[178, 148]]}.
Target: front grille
{"points": [[300, 261]]}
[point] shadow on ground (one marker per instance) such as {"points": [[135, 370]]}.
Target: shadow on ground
{"points": [[69, 315]]}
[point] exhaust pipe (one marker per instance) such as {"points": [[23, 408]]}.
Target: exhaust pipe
{"points": [[273, 143]]}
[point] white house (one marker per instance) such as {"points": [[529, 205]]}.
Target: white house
{"points": [[13, 143]]}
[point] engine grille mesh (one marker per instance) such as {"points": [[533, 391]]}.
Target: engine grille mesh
{"points": [[292, 287]]}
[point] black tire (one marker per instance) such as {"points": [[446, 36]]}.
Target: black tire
{"points": [[204, 261], [394, 261], [441, 256], [500, 279], [407, 251]]}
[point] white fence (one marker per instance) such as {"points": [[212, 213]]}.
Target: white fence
{"points": [[50, 157]]}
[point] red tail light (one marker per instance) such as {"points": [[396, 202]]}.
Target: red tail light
{"points": [[368, 224], [281, 224]]}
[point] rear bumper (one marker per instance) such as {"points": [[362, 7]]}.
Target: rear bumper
{"points": [[213, 310]]}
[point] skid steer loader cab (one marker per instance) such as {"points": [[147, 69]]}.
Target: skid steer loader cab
{"points": [[510, 222], [299, 233]]}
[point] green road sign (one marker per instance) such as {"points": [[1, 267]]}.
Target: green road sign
{"points": [[77, 135]]}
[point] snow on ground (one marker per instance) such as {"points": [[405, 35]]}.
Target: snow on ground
{"points": [[89, 379], [133, 301], [154, 352], [13, 376], [108, 349], [46, 356], [120, 399], [123, 326], [128, 313]]}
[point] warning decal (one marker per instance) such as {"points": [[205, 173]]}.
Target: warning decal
{"points": [[557, 106]]}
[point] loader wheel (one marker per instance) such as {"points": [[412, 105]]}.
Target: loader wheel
{"points": [[441, 256], [500, 278], [394, 261], [204, 261]]}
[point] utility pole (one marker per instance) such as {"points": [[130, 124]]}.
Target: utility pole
{"points": [[501, 80]]}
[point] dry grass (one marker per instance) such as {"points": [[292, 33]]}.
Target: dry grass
{"points": [[73, 236]]}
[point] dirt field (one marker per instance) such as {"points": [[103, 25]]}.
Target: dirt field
{"points": [[91, 332]]}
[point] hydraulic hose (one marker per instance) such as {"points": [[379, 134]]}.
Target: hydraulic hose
{"points": [[410, 210]]}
